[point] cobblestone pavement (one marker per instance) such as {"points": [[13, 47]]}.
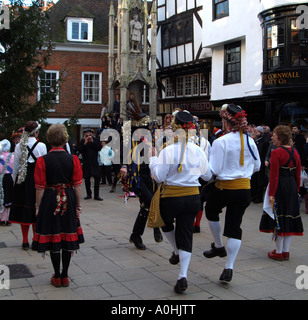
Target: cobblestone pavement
{"points": [[108, 267]]}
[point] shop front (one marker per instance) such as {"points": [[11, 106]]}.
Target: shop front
{"points": [[285, 65]]}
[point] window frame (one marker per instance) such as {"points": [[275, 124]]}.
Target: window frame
{"points": [[279, 51], [57, 85], [80, 21], [231, 46], [83, 101], [302, 41], [216, 4], [203, 85], [169, 90]]}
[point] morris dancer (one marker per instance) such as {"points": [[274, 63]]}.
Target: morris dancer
{"points": [[179, 167], [234, 158]]}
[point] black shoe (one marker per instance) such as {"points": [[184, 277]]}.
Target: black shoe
{"points": [[226, 275], [88, 197], [181, 285], [137, 241], [213, 252], [174, 259], [157, 235], [98, 198], [25, 245]]}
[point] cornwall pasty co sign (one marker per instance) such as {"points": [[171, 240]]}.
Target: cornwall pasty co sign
{"points": [[283, 79]]}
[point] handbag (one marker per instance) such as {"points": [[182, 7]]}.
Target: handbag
{"points": [[154, 218]]}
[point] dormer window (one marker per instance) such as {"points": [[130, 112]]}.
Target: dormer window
{"points": [[79, 29]]}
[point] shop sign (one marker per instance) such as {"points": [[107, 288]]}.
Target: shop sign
{"points": [[284, 79], [194, 106]]}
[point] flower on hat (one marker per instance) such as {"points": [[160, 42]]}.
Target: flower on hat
{"points": [[188, 125]]}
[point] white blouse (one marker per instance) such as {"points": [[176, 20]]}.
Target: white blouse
{"points": [[38, 151]]}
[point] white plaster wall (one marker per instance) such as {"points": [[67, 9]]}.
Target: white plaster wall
{"points": [[267, 4], [242, 24]]}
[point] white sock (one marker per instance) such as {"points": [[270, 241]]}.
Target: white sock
{"points": [[286, 243], [279, 244], [7, 215], [215, 227], [184, 262], [233, 247], [171, 238]]}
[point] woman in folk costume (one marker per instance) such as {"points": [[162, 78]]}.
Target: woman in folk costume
{"points": [[6, 180], [136, 176], [27, 152], [284, 185], [58, 179], [178, 167], [234, 158]]}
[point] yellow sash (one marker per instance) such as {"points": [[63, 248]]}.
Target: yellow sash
{"points": [[176, 191], [154, 219], [233, 184]]}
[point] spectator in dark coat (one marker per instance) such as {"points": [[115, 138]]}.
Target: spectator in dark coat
{"points": [[299, 142], [89, 147], [259, 179]]}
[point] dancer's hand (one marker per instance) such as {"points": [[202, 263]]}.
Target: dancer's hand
{"points": [[78, 211], [123, 172]]}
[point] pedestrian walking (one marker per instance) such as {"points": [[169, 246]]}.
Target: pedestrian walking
{"points": [[27, 151], [234, 158], [58, 179], [178, 168], [6, 181], [285, 175]]}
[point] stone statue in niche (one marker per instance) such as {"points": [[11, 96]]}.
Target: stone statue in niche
{"points": [[135, 33]]}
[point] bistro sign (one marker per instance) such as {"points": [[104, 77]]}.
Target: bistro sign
{"points": [[194, 106]]}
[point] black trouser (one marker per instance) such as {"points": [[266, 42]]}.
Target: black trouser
{"points": [[105, 172], [116, 170], [145, 196], [236, 202], [96, 186], [184, 211]]}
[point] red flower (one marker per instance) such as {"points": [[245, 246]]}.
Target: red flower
{"points": [[188, 125]]}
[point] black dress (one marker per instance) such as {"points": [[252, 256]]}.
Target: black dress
{"points": [[286, 199], [23, 204], [57, 226]]}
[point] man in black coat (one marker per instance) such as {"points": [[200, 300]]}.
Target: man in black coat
{"points": [[89, 147], [299, 142]]}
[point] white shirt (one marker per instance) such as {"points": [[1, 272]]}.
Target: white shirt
{"points": [[106, 155], [38, 151], [164, 168], [224, 161]]}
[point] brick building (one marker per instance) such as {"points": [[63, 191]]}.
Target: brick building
{"points": [[79, 32]]}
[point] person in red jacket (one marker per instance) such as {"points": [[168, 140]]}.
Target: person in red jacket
{"points": [[285, 173]]}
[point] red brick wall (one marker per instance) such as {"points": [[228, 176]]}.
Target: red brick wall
{"points": [[71, 65]]}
